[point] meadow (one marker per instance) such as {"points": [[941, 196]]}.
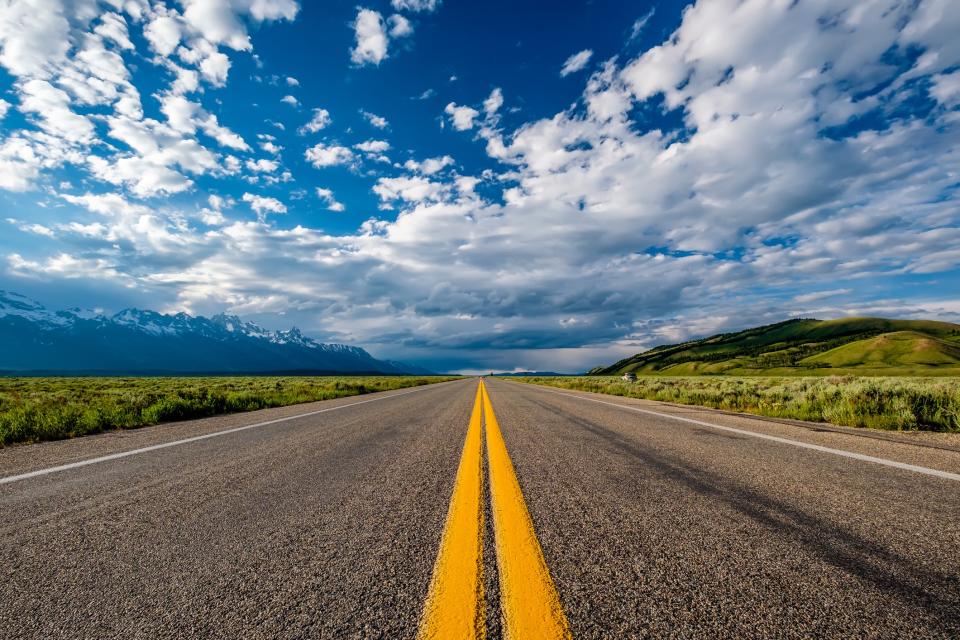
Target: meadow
{"points": [[36, 409], [899, 403]]}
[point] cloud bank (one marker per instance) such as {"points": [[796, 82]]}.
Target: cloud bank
{"points": [[814, 142]]}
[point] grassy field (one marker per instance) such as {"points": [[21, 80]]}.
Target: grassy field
{"points": [[35, 409], [900, 403], [807, 347]]}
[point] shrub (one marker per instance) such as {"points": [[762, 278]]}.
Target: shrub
{"points": [[880, 403], [34, 409]]}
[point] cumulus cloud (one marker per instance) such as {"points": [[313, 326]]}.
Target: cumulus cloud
{"points": [[408, 189], [219, 21], [576, 62], [462, 116], [373, 146], [262, 165], [268, 144], [376, 121], [493, 103], [429, 166], [374, 150], [320, 120], [415, 5], [186, 117], [400, 27], [371, 38], [35, 37], [326, 195], [608, 231], [65, 59], [263, 205], [373, 34], [322, 155], [163, 33], [290, 100]]}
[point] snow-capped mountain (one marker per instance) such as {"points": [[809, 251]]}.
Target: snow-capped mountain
{"points": [[135, 341]]}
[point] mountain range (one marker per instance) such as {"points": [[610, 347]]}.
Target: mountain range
{"points": [[34, 339], [806, 346]]}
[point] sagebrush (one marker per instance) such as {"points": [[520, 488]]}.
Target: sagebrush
{"points": [[35, 409], [883, 403]]}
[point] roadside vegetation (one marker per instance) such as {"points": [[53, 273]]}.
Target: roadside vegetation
{"points": [[35, 409], [901, 403]]}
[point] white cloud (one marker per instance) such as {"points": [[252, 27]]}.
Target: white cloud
{"points": [[607, 231], [946, 89], [415, 5], [815, 296], [320, 120], [373, 146], [461, 116], [640, 23], [218, 21], [371, 38], [321, 155], [214, 67], [51, 106], [185, 117], [20, 164], [270, 146], [328, 198], [293, 82], [35, 228], [262, 165], [34, 37], [4, 107], [163, 33], [576, 62], [375, 120], [400, 27], [263, 205], [113, 27], [409, 189], [67, 266], [429, 166], [290, 100], [493, 103]]}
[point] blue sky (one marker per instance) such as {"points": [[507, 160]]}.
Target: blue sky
{"points": [[475, 186]]}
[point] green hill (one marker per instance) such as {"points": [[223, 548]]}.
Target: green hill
{"points": [[860, 346]]}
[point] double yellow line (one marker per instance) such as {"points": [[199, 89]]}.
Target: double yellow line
{"points": [[455, 606]]}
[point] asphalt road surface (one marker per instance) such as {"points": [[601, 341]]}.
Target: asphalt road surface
{"points": [[451, 511]]}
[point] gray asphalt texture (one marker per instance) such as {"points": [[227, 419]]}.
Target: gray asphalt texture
{"points": [[327, 526]]}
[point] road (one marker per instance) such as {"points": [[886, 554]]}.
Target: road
{"points": [[446, 507]]}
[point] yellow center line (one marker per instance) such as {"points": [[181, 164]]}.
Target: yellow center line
{"points": [[455, 604], [529, 601]]}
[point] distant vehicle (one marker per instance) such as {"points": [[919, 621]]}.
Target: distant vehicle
{"points": [[629, 376]]}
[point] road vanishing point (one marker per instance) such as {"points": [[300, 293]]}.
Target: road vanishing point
{"points": [[481, 509]]}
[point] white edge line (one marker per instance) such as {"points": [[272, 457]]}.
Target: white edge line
{"points": [[753, 434], [174, 443]]}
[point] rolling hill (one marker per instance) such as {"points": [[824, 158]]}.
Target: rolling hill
{"points": [[860, 346]]}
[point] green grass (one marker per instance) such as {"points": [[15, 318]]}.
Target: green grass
{"points": [[901, 347], [35, 409], [805, 347], [900, 403]]}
